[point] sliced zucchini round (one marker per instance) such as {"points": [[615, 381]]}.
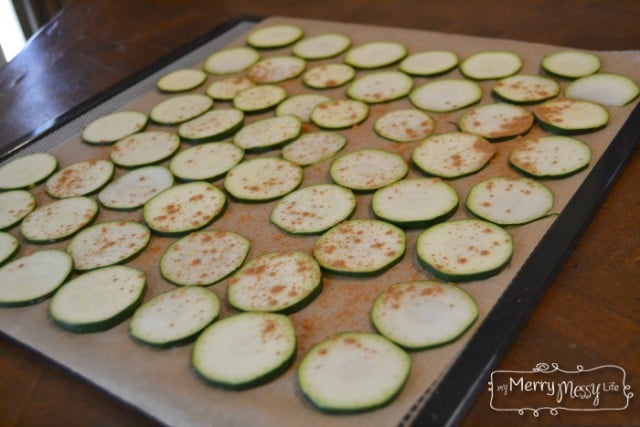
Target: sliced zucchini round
{"points": [[174, 317], [381, 86], [259, 98], [205, 162], [509, 201], [268, 134], [181, 108], [551, 156], [213, 125], [490, 65], [14, 206], [80, 179], [429, 63], [322, 46], [360, 247], [464, 250], [496, 121], [368, 169], [58, 220], [263, 179], [113, 127], [571, 64], [452, 155], [526, 88], [27, 171], [404, 125], [280, 282], [276, 69], [135, 188], [353, 372], [98, 300], [107, 243], [375, 54], [184, 208], [313, 209], [423, 314], [227, 89], [327, 76], [144, 148], [313, 147], [204, 258], [446, 95], [181, 80], [231, 60], [570, 116], [609, 89], [274, 36], [339, 113], [245, 350], [301, 105], [33, 278], [9, 245], [415, 202]]}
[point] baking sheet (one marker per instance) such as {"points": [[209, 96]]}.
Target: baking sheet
{"points": [[160, 381]]}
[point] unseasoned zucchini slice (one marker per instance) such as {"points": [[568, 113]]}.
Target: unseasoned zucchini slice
{"points": [[206, 162], [180, 108], [526, 88], [609, 89], [368, 169], [274, 36], [181, 80], [263, 179], [276, 69], [58, 220], [375, 54], [144, 148], [268, 134], [496, 121], [227, 89], [404, 125], [446, 95], [113, 127], [570, 116], [133, 189], [490, 65], [259, 98], [80, 179], [551, 156], [429, 63], [381, 86], [15, 205], [27, 171], [9, 245], [571, 64], [313, 147], [327, 76], [339, 113], [322, 46], [301, 105], [212, 125], [231, 60]]}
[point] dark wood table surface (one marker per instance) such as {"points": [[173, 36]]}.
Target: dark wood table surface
{"points": [[590, 314]]}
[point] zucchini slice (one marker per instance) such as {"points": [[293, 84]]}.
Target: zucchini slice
{"points": [[14, 206], [339, 113], [609, 89], [381, 86], [259, 98], [144, 148], [174, 317], [368, 169], [33, 278], [204, 258], [275, 36], [360, 247], [313, 209], [452, 155], [133, 189], [181, 108], [496, 122], [322, 46], [213, 125], [464, 250], [551, 156], [263, 179], [489, 65], [276, 69], [571, 64], [107, 243], [184, 208], [301, 105], [280, 282], [446, 95], [570, 116], [313, 147], [375, 54], [327, 76], [9, 245], [181, 80], [268, 134], [231, 60], [206, 162], [509, 201], [58, 220], [227, 89], [353, 372], [526, 89], [113, 127], [423, 314], [404, 125], [27, 171], [245, 350], [429, 63], [415, 202], [98, 300], [80, 179]]}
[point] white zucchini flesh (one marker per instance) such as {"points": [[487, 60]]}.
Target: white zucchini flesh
{"points": [[526, 88], [339, 113], [301, 105], [144, 148], [322, 46], [274, 36], [184, 207], [281, 282], [231, 60], [27, 171], [174, 317], [464, 250], [368, 169], [313, 147], [571, 64], [9, 245], [353, 372], [133, 189], [204, 257], [259, 98], [33, 278], [452, 155], [180, 108], [496, 121], [80, 179], [381, 86], [375, 54], [509, 200], [313, 209], [360, 246], [444, 95], [107, 243], [404, 125], [181, 80], [58, 220], [423, 314], [98, 300], [327, 76], [112, 127], [269, 133], [227, 89], [276, 69], [551, 156], [609, 89], [212, 125], [14, 206], [489, 65], [571, 116], [207, 161], [429, 63]]}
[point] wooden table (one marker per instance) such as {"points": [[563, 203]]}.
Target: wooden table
{"points": [[590, 314]]}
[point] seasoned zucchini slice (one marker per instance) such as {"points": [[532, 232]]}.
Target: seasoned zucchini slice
{"points": [[58, 220], [570, 116], [313, 147], [27, 171], [206, 162], [227, 89], [14, 206], [181, 108], [80, 179], [404, 125], [213, 125], [263, 179], [526, 89], [301, 105], [9, 245], [268, 134], [496, 121], [339, 113], [551, 156], [381, 86], [259, 98], [133, 189], [275, 69], [368, 169], [327, 76], [144, 148]]}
